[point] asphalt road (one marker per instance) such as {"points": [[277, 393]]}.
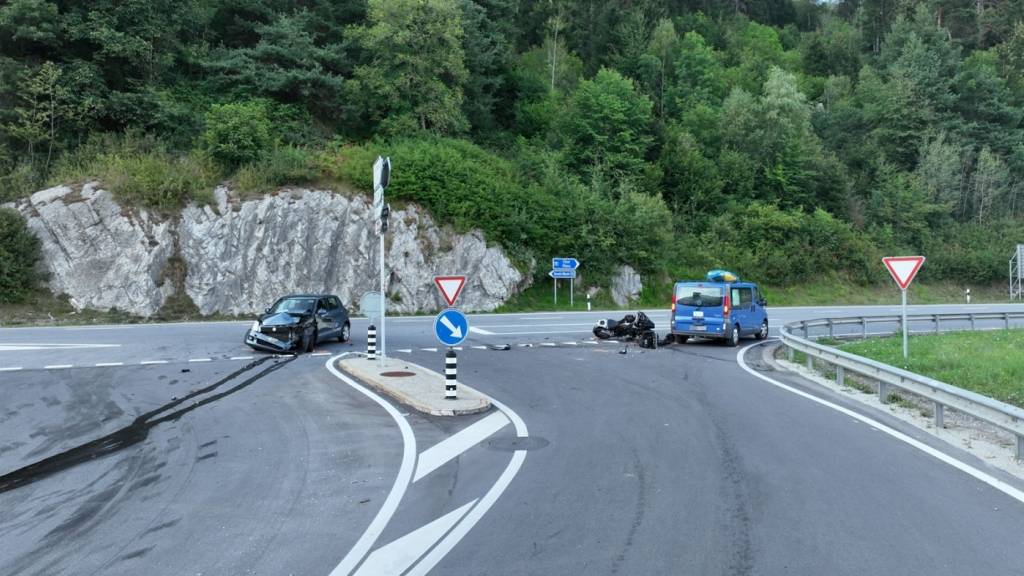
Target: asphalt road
{"points": [[219, 460]]}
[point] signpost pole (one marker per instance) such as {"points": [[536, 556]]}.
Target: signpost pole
{"points": [[570, 291], [556, 290], [905, 330], [383, 312]]}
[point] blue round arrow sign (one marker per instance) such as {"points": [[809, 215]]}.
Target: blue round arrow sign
{"points": [[451, 327]]}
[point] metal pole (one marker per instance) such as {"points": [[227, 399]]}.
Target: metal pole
{"points": [[905, 330], [555, 280], [383, 302], [570, 292]]}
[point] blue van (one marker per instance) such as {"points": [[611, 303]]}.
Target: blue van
{"points": [[726, 310]]}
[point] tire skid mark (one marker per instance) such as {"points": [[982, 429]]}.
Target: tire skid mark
{"points": [[138, 430]]}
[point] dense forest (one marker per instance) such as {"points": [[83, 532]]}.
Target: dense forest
{"points": [[780, 138]]}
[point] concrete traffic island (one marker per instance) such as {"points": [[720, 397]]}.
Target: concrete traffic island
{"points": [[415, 386]]}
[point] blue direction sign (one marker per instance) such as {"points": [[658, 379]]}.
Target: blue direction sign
{"points": [[564, 264], [451, 327], [562, 273]]}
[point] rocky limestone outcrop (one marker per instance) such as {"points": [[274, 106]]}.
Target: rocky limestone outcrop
{"points": [[99, 255], [241, 255], [626, 285]]}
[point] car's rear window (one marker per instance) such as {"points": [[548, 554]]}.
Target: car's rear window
{"points": [[696, 295]]}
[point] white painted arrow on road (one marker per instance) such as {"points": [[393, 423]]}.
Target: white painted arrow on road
{"points": [[455, 330]]}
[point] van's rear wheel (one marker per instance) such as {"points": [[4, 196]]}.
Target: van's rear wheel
{"points": [[734, 337], [763, 332]]}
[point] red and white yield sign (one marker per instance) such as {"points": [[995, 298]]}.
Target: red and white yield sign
{"points": [[450, 287], [903, 268]]}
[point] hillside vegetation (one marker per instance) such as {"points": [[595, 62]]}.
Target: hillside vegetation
{"points": [[789, 140]]}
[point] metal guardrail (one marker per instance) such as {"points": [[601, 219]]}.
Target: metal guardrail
{"points": [[941, 394]]}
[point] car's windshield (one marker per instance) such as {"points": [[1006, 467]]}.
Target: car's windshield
{"points": [[696, 295], [294, 305]]}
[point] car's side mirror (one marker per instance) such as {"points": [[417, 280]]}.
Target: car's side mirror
{"points": [[762, 302], [266, 310]]}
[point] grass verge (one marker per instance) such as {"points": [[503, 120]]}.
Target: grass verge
{"points": [[989, 362]]}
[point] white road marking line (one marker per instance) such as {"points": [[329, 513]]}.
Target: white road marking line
{"points": [[58, 366], [462, 528], [406, 350], [939, 455], [476, 330], [479, 347], [151, 362], [547, 343], [24, 346], [200, 359], [450, 448], [527, 318], [429, 349], [320, 354], [396, 557], [104, 364], [611, 341], [459, 348], [11, 369], [241, 357], [528, 332], [524, 345], [402, 480], [590, 342], [571, 343], [555, 325]]}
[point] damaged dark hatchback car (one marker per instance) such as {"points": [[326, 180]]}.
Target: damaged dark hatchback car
{"points": [[299, 322]]}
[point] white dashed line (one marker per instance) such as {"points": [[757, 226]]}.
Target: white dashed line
{"points": [[429, 349], [547, 343], [241, 357], [151, 362], [479, 347], [58, 366], [570, 343], [10, 369], [320, 354], [406, 350], [103, 364], [590, 342], [459, 348], [200, 359]]}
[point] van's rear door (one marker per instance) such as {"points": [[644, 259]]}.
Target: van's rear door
{"points": [[698, 308]]}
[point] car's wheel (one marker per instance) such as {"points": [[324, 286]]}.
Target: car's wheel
{"points": [[681, 338], [763, 332], [734, 337], [346, 333]]}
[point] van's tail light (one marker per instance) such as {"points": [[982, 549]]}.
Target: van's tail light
{"points": [[726, 306], [673, 304]]}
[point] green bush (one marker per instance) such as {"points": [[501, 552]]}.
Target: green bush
{"points": [[19, 256], [549, 213], [781, 247], [238, 133], [281, 166], [141, 172]]}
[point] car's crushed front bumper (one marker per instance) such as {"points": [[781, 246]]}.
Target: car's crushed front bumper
{"points": [[261, 341]]}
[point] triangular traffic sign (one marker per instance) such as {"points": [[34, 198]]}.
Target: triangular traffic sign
{"points": [[903, 268], [450, 287]]}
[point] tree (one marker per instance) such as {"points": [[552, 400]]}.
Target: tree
{"points": [[607, 128], [19, 256], [415, 76], [237, 133], [44, 109], [28, 24], [698, 75], [487, 59], [990, 187]]}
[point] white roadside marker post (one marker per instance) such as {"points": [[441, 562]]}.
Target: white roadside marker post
{"points": [[371, 342], [450, 375]]}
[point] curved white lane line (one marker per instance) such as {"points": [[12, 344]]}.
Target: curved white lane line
{"points": [[462, 528], [939, 455], [369, 537]]}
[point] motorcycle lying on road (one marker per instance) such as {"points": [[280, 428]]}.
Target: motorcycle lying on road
{"points": [[631, 327]]}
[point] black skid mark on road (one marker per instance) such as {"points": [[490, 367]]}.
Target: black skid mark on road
{"points": [[138, 430]]}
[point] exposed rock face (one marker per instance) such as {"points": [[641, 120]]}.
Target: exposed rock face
{"points": [[99, 255], [626, 285], [241, 256]]}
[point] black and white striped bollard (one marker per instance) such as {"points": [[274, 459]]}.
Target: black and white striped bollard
{"points": [[371, 343], [450, 381]]}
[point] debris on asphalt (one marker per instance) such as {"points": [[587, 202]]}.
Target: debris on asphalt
{"points": [[501, 347]]}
